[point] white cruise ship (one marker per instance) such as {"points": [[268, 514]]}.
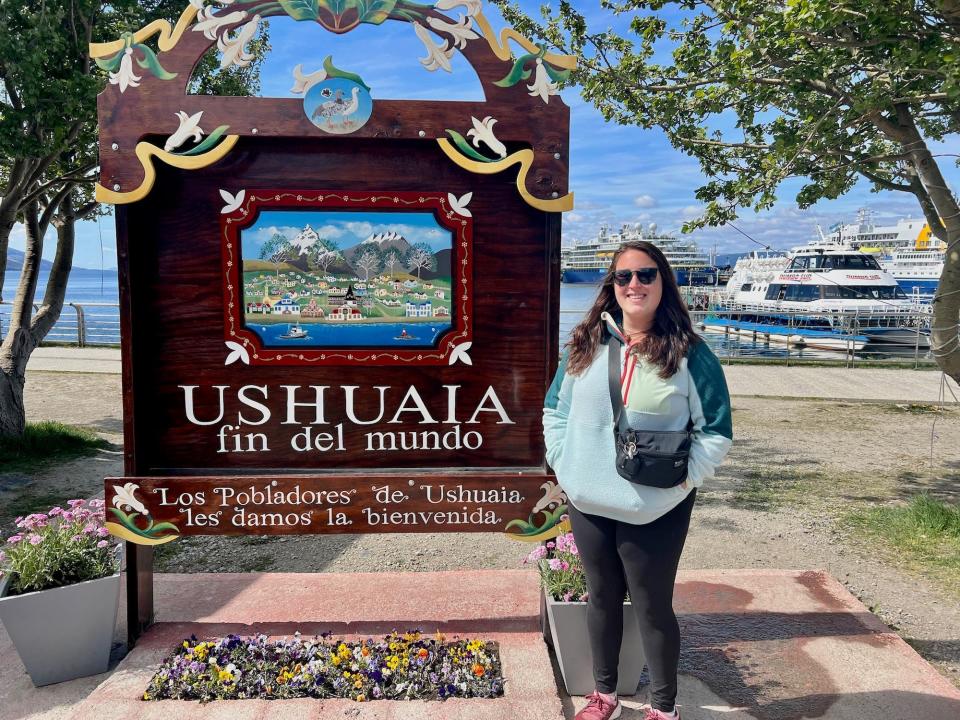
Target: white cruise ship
{"points": [[906, 250], [587, 261]]}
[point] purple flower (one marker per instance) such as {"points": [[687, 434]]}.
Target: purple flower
{"points": [[14, 539], [89, 529], [564, 565], [68, 516], [567, 595], [75, 503], [102, 544], [35, 539], [551, 545], [77, 538], [54, 511], [102, 532]]}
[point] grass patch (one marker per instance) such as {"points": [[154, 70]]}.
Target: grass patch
{"points": [[769, 489], [47, 443], [926, 533], [914, 408]]}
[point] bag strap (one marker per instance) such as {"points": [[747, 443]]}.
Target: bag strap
{"points": [[616, 400]]}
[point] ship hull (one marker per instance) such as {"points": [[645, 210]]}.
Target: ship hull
{"points": [[924, 287], [683, 276]]}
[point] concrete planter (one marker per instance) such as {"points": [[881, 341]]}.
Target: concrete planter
{"points": [[568, 633], [65, 632]]}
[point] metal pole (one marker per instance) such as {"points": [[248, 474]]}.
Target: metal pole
{"points": [[81, 325]]}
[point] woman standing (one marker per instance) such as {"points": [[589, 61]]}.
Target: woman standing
{"points": [[629, 535]]}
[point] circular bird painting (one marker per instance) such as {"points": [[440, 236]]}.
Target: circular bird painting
{"points": [[338, 105]]}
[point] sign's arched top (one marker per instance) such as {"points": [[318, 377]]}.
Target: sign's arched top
{"points": [[522, 120]]}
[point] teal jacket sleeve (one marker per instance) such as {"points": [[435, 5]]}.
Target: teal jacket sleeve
{"points": [[556, 412], [710, 412]]}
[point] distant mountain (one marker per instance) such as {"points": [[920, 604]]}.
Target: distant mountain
{"points": [[381, 241], [15, 261], [443, 266]]}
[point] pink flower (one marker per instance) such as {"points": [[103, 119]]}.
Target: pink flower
{"points": [[554, 563], [54, 511], [102, 544], [102, 532], [551, 545], [567, 595], [573, 550], [564, 565], [75, 503], [585, 597], [95, 503], [89, 529], [35, 539], [14, 539], [77, 538], [68, 516]]}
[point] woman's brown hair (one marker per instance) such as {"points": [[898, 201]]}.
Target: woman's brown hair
{"points": [[672, 332]]}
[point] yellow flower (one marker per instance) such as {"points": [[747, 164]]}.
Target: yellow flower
{"points": [[346, 674], [393, 662], [358, 684], [225, 676], [335, 660], [360, 698]]}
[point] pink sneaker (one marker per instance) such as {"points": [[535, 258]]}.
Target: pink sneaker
{"points": [[661, 715], [599, 709]]}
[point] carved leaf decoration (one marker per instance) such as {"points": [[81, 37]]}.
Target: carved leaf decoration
{"points": [[460, 353], [208, 142], [340, 16], [151, 63], [518, 72], [335, 72], [232, 201], [300, 9], [237, 352], [459, 206], [464, 146]]}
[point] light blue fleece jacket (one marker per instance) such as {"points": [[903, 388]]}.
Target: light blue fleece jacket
{"points": [[578, 429]]}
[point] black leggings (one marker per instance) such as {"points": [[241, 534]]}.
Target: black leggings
{"points": [[643, 559]]}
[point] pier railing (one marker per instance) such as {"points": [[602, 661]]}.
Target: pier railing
{"points": [[859, 337], [98, 325], [83, 324]]}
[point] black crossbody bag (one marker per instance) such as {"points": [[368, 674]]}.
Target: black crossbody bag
{"points": [[657, 458]]}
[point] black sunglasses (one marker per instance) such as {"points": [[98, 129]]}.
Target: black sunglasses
{"points": [[646, 276]]}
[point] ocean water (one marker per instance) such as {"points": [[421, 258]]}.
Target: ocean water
{"points": [[421, 335], [98, 295]]}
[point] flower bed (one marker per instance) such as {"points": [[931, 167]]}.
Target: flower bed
{"points": [[404, 666]]}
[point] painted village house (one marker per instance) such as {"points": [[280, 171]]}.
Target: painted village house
{"points": [[312, 310], [286, 306], [424, 309], [441, 311], [346, 313]]}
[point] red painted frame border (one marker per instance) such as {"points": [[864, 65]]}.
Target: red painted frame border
{"points": [[242, 213]]}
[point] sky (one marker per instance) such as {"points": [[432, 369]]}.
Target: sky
{"points": [[346, 229], [619, 174]]}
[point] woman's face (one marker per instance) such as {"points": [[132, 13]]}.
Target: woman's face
{"points": [[638, 301]]}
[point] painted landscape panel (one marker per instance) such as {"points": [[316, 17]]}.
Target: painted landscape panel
{"points": [[317, 278]]}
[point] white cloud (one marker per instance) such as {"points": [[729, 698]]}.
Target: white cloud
{"points": [[645, 201], [573, 217], [688, 212], [261, 235], [329, 231], [360, 229]]}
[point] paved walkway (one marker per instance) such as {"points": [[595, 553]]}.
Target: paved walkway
{"points": [[758, 645], [834, 383]]}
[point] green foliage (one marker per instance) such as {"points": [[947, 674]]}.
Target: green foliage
{"points": [[760, 92], [47, 442]]}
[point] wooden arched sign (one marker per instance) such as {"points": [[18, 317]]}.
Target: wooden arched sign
{"points": [[339, 313]]}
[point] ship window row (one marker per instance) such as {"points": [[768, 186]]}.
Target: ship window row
{"points": [[808, 293], [834, 262]]}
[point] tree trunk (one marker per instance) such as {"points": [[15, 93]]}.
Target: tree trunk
{"points": [[945, 331], [18, 343]]}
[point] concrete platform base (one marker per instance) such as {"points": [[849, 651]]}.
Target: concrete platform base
{"points": [[764, 645]]}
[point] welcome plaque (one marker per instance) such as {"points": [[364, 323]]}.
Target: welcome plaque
{"points": [[339, 313]]}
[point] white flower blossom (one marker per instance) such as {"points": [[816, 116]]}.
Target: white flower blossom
{"points": [[125, 77], [483, 132], [234, 51], [438, 56], [302, 82], [210, 24], [471, 6], [542, 85], [126, 497], [189, 126], [461, 31], [552, 495]]}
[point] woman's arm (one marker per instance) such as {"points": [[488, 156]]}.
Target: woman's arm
{"points": [[710, 413], [556, 411]]}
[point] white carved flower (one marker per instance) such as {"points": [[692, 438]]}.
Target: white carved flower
{"points": [[189, 126], [234, 51], [126, 497], [459, 205], [471, 6], [210, 24], [542, 85], [124, 77], [552, 496], [461, 31], [302, 82], [483, 132], [438, 56]]}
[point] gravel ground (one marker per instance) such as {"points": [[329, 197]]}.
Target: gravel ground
{"points": [[795, 468]]}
